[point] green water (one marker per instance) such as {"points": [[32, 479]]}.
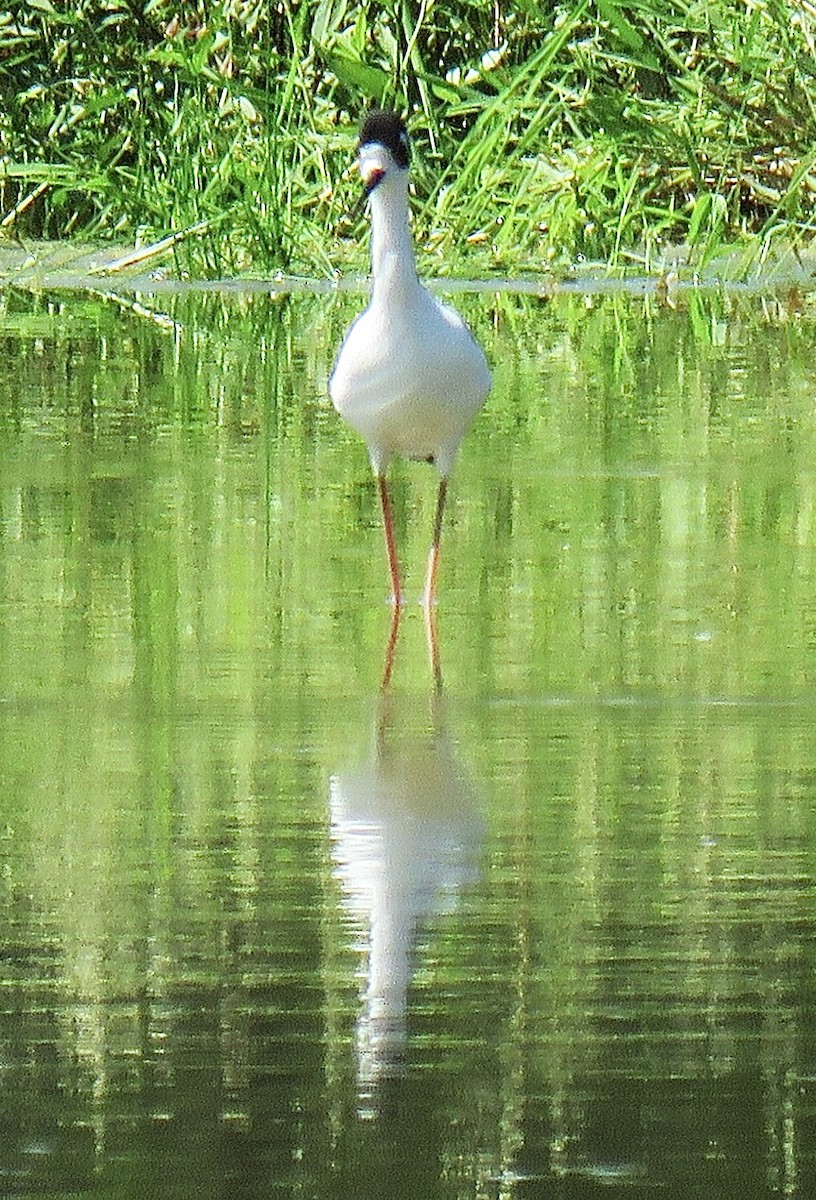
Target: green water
{"points": [[547, 932]]}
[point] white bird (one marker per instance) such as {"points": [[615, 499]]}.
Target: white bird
{"points": [[409, 376]]}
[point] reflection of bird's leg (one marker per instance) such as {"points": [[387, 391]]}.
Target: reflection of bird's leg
{"points": [[390, 542], [429, 595], [433, 646], [391, 646]]}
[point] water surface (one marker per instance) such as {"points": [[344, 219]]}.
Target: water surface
{"points": [[545, 931]]}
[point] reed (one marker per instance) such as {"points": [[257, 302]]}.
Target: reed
{"points": [[593, 130]]}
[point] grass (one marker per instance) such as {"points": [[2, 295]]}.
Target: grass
{"points": [[591, 130]]}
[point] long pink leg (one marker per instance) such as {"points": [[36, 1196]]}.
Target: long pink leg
{"points": [[429, 595], [390, 542]]}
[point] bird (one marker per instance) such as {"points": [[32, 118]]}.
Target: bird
{"points": [[409, 376]]}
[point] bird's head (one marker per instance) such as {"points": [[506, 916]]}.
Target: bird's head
{"points": [[382, 149]]}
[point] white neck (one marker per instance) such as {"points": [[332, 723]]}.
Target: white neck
{"points": [[392, 251]]}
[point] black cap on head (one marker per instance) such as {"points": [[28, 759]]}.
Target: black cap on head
{"points": [[386, 129]]}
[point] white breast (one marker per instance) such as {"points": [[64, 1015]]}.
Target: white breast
{"points": [[410, 378]]}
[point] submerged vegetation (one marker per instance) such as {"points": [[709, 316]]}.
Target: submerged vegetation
{"points": [[543, 133]]}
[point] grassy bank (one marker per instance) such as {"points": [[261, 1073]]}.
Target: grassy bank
{"points": [[543, 134]]}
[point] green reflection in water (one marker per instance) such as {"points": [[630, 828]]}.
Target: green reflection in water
{"points": [[549, 933]]}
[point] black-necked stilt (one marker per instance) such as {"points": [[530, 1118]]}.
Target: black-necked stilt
{"points": [[409, 376]]}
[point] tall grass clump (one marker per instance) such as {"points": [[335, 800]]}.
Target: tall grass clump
{"points": [[544, 134]]}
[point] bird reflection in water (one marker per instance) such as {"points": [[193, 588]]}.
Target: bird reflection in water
{"points": [[406, 834]]}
